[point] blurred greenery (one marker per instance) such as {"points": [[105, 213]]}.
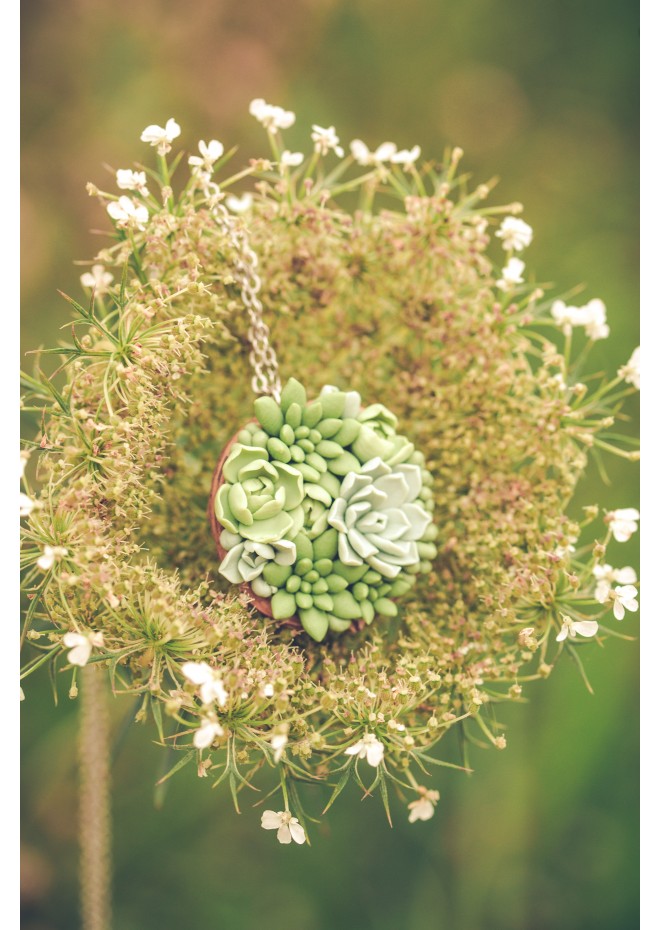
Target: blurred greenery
{"points": [[544, 94]]}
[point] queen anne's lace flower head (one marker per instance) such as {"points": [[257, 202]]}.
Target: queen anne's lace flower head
{"points": [[322, 506]]}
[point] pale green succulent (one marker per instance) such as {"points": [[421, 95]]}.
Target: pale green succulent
{"points": [[379, 517], [378, 437], [245, 560], [260, 501]]}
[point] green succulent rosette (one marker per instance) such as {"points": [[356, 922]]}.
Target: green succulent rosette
{"points": [[325, 509]]}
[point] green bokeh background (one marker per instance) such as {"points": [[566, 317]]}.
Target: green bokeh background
{"points": [[540, 92]]}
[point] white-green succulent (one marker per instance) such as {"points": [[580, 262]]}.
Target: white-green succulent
{"points": [[246, 560], [380, 518]]}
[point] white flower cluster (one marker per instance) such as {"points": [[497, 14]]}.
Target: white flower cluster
{"points": [[386, 152], [630, 371], [162, 137], [623, 523], [325, 140], [516, 235], [81, 645], [592, 317], [211, 693], [271, 117]]}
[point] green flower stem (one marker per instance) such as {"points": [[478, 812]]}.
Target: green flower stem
{"points": [[94, 810]]}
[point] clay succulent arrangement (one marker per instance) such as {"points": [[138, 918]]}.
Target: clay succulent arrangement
{"points": [[325, 510]]}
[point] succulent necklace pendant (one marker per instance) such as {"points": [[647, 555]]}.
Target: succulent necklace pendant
{"points": [[322, 511]]}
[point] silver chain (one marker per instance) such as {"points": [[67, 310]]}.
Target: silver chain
{"points": [[266, 378]]}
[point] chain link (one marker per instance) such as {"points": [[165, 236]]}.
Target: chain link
{"points": [[266, 378]]}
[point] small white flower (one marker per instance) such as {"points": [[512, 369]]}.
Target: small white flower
{"points": [[527, 637], [97, 280], [630, 371], [209, 154], [385, 152], [127, 213], [595, 325], [278, 742], [291, 159], [162, 138], [271, 117], [573, 628], [208, 730], [515, 234], [511, 274], [326, 139], [370, 747], [424, 807], [239, 204], [268, 690], [625, 599], [606, 577], [287, 826], [564, 552], [565, 316], [211, 687], [406, 157], [81, 645], [28, 505], [51, 555], [128, 180], [623, 523]]}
